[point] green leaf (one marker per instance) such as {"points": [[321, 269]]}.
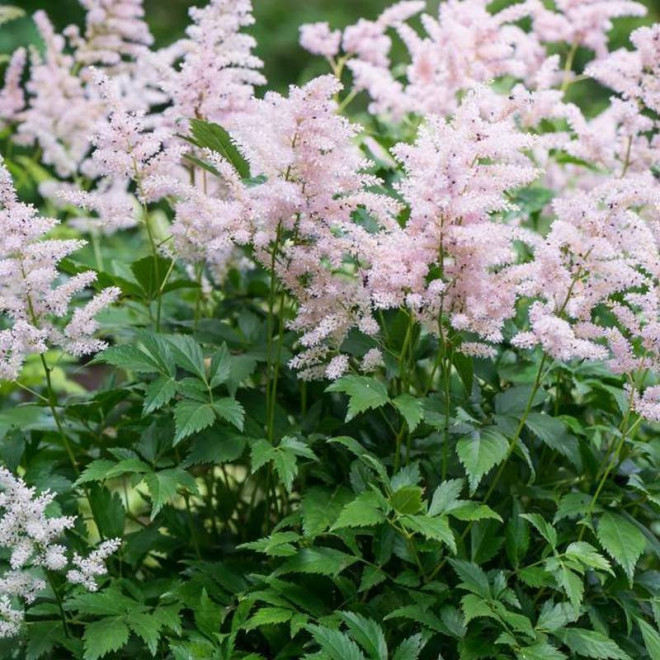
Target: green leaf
{"points": [[540, 651], [215, 445], [104, 636], [278, 544], [208, 615], [335, 644], [191, 417], [160, 392], [364, 393], [130, 358], [586, 554], [547, 531], [411, 408], [553, 433], [473, 578], [364, 511], [163, 486], [220, 369], [319, 561], [43, 638], [436, 529], [622, 541], [188, 354], [95, 471], [480, 453], [591, 644], [445, 496], [651, 638], [320, 508], [147, 628], [409, 649], [268, 616], [367, 633], [470, 511], [407, 499], [231, 410], [151, 272], [209, 135], [476, 607]]}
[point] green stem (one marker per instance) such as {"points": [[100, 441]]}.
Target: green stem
{"points": [[60, 606]]}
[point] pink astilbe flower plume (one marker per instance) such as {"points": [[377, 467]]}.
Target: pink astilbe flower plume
{"points": [[115, 33], [32, 292], [217, 72], [60, 116], [12, 96], [454, 256]]}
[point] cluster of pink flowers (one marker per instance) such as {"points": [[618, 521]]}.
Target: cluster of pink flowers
{"points": [[30, 536], [32, 292], [442, 238]]}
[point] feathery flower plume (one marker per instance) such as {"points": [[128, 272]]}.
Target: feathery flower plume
{"points": [[32, 293], [217, 71], [30, 537]]}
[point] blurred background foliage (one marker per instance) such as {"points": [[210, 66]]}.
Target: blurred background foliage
{"points": [[276, 28]]}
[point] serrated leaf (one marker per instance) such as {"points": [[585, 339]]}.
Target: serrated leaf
{"points": [[208, 615], [151, 273], [43, 638], [191, 417], [540, 651], [407, 499], [622, 541], [215, 445], [220, 369], [160, 392], [364, 393], [230, 410], [209, 135], [147, 628], [367, 633], [268, 616], [446, 494], [586, 554], [411, 408], [547, 531], [364, 511], [473, 578], [436, 529], [278, 544], [188, 355], [591, 644], [480, 453], [104, 636], [651, 638], [163, 486], [130, 358], [470, 511], [320, 508], [95, 471], [335, 644], [319, 561], [410, 648], [476, 607]]}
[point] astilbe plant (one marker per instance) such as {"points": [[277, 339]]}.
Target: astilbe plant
{"points": [[365, 369]]}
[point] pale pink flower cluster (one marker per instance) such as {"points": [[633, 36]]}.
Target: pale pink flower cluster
{"points": [[634, 74], [214, 70], [465, 45], [453, 256], [32, 292], [30, 536]]}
